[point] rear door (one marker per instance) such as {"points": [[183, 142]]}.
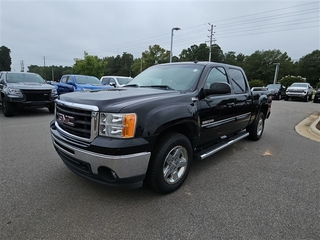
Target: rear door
{"points": [[243, 100], [216, 111]]}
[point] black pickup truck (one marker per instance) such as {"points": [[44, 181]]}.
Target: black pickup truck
{"points": [[153, 128]]}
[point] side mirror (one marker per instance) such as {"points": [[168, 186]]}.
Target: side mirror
{"points": [[1, 81], [218, 88], [113, 84], [70, 83]]}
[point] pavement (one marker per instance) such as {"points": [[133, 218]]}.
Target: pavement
{"points": [[307, 127]]}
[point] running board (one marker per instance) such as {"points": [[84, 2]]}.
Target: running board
{"points": [[210, 151]]}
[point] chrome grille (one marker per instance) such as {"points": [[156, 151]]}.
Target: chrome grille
{"points": [[77, 120]]}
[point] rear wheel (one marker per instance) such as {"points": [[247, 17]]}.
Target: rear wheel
{"points": [[170, 163], [7, 107], [256, 130], [279, 96]]}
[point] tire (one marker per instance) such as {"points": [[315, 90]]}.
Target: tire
{"points": [[279, 96], [51, 109], [286, 98], [306, 98], [256, 130], [310, 98], [7, 107], [170, 163]]}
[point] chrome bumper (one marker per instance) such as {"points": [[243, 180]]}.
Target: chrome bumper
{"points": [[125, 166]]}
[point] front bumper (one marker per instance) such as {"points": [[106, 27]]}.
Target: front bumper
{"points": [[126, 170], [296, 95]]}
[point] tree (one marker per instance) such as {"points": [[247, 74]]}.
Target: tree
{"points": [[155, 55], [288, 80], [90, 65], [261, 65], [5, 59], [309, 67], [53, 73], [194, 52]]}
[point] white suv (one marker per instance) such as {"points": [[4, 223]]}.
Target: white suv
{"points": [[116, 81], [299, 90]]}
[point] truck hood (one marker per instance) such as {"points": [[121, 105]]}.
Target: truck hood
{"points": [[297, 88], [31, 86], [115, 99]]}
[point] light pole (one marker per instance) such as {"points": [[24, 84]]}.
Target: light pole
{"points": [[176, 28], [276, 73]]}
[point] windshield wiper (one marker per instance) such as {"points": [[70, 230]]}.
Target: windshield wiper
{"points": [[161, 86], [132, 85]]}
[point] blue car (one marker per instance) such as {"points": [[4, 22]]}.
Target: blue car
{"points": [[73, 82]]}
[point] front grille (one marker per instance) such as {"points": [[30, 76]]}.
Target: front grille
{"points": [[296, 90], [37, 95], [80, 123]]}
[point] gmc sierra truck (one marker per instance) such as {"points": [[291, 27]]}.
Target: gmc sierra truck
{"points": [[153, 128]]}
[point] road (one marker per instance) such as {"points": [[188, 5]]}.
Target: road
{"points": [[268, 189]]}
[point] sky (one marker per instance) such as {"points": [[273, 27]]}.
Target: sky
{"points": [[55, 32]]}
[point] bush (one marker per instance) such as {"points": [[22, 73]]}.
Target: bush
{"points": [[256, 83], [288, 80]]}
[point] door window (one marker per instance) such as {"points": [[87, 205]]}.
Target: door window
{"points": [[238, 81], [216, 74]]}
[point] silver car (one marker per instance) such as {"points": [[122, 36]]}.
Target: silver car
{"points": [[116, 81], [299, 90]]}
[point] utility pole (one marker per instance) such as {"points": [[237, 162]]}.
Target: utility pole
{"points": [[44, 67], [22, 66], [211, 36], [276, 73]]}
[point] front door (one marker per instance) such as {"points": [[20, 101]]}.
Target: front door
{"points": [[216, 111]]}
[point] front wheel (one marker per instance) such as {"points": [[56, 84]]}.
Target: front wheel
{"points": [[7, 107], [256, 130], [51, 109], [170, 163]]}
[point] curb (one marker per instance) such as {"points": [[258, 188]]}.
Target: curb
{"points": [[307, 127], [313, 129]]}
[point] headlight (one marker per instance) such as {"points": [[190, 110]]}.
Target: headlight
{"points": [[14, 91], [117, 125], [54, 91], [85, 89]]}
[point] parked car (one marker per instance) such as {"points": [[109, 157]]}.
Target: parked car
{"points": [[116, 81], [278, 91], [299, 90], [78, 83], [25, 90], [316, 98]]}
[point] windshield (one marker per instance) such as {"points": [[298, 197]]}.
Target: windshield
{"points": [[123, 80], [88, 80], [273, 86], [181, 77], [299, 85], [24, 77]]}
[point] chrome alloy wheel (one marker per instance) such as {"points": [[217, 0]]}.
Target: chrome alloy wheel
{"points": [[260, 126], [175, 164]]}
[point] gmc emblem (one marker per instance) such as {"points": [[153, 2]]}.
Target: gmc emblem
{"points": [[65, 119]]}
